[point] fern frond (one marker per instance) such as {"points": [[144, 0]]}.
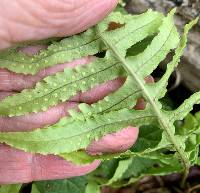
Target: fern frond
{"points": [[113, 112], [75, 135], [149, 94]]}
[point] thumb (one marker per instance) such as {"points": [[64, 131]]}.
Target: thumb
{"points": [[23, 20]]}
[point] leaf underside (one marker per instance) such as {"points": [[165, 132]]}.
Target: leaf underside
{"points": [[70, 135]]}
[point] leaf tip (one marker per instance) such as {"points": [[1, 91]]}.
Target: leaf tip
{"points": [[173, 11]]}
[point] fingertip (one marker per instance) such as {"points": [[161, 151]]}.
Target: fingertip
{"points": [[113, 3], [32, 50], [140, 105], [149, 79], [45, 19], [114, 143], [17, 166], [54, 167], [100, 91]]}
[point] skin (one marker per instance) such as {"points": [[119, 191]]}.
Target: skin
{"points": [[32, 20]]}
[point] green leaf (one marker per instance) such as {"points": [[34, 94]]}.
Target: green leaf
{"points": [[78, 157], [192, 148], [149, 138], [75, 185], [34, 189], [134, 168], [197, 116], [10, 188], [107, 168], [121, 170], [198, 161], [137, 167], [153, 171], [139, 47], [189, 126], [92, 187]]}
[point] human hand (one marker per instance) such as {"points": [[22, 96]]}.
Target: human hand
{"points": [[23, 20]]}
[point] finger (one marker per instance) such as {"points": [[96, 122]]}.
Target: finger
{"points": [[99, 92], [54, 114], [10, 81], [32, 50], [23, 20], [20, 167], [36, 120], [149, 79], [114, 143], [5, 94], [28, 167], [141, 103]]}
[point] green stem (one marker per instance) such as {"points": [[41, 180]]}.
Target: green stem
{"points": [[165, 124]]}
